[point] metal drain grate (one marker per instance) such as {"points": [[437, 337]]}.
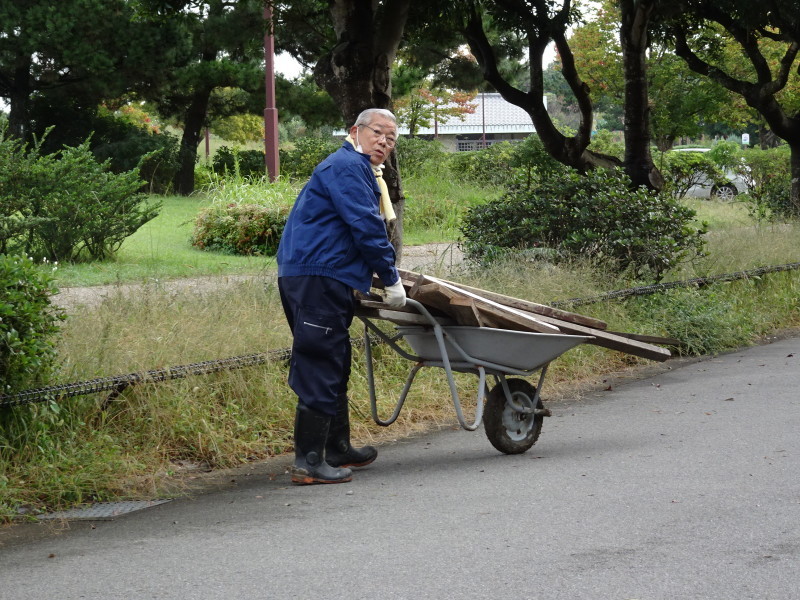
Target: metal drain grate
{"points": [[103, 511]]}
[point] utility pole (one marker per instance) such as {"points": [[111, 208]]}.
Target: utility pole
{"points": [[483, 119], [271, 111]]}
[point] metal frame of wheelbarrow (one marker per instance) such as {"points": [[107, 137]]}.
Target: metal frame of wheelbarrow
{"points": [[463, 363]]}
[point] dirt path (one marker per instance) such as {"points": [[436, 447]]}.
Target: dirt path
{"points": [[429, 257]]}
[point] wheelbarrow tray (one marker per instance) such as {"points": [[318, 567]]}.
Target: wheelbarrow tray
{"points": [[520, 350]]}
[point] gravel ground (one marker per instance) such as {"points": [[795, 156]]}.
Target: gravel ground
{"points": [[430, 257]]}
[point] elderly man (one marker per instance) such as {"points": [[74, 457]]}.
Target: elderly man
{"points": [[333, 242]]}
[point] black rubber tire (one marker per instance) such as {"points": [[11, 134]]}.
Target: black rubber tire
{"points": [[509, 431], [724, 193]]}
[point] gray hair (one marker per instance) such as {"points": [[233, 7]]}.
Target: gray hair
{"points": [[365, 118]]}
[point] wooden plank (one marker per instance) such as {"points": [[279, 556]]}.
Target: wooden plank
{"points": [[612, 341], [525, 321], [466, 311], [380, 304], [397, 317], [650, 339], [501, 319], [434, 295], [517, 302]]}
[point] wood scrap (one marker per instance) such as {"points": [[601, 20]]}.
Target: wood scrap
{"points": [[650, 339], [469, 306], [462, 309], [466, 310], [429, 290], [399, 316]]}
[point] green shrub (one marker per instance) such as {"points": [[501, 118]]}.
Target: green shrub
{"points": [[490, 166], [245, 163], [683, 170], [66, 206], [204, 177], [245, 216], [725, 154], [28, 324], [417, 157], [768, 177], [605, 142], [14, 165], [239, 229], [596, 216], [533, 161], [300, 161], [240, 129]]}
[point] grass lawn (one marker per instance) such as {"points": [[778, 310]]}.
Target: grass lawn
{"points": [[161, 250]]}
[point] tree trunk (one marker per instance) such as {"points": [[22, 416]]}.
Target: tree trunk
{"points": [[633, 36], [193, 122], [192, 131], [357, 74], [794, 194], [18, 98]]}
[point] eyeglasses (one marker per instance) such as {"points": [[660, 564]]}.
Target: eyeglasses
{"points": [[390, 141]]}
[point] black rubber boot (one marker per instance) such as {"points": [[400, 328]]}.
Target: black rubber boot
{"points": [[310, 433], [338, 451]]}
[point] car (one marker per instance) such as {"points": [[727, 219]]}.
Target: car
{"points": [[733, 185]]}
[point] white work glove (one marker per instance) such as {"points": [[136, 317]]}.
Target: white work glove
{"points": [[395, 295]]}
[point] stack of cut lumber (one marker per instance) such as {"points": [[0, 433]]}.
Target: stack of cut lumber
{"points": [[454, 303]]}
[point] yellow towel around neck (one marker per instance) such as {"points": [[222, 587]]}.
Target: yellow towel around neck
{"points": [[387, 212]]}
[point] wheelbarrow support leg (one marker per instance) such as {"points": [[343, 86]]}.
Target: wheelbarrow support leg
{"points": [[437, 330], [373, 398]]}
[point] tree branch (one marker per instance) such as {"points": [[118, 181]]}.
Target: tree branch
{"points": [[746, 39], [698, 65], [390, 30]]}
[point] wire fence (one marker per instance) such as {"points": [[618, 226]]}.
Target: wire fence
{"points": [[116, 384], [660, 287]]}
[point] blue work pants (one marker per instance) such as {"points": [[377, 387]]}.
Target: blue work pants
{"points": [[319, 311]]}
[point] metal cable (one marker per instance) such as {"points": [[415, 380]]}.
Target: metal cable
{"points": [[659, 287], [117, 383]]}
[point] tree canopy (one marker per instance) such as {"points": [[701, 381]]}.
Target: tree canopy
{"points": [[662, 70], [77, 52], [763, 66]]}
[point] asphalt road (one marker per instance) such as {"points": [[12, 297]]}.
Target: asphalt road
{"points": [[684, 485]]}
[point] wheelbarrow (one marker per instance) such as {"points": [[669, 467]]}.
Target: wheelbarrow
{"points": [[512, 411]]}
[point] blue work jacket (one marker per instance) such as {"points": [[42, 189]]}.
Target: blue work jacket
{"points": [[335, 228]]}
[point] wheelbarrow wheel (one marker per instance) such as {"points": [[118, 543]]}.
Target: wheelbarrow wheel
{"points": [[508, 430]]}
